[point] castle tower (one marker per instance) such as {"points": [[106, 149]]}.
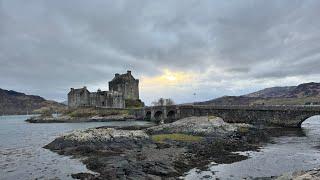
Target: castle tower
{"points": [[126, 84]]}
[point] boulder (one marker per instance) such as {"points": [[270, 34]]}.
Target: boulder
{"points": [[201, 126], [108, 137]]}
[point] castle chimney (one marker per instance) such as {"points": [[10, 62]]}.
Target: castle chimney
{"points": [[72, 89], [117, 75], [84, 87], [129, 72]]}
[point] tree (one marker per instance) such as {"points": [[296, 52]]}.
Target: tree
{"points": [[169, 102], [163, 102]]}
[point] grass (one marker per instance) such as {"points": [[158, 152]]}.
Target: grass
{"points": [[243, 129], [134, 103], [212, 117], [175, 137]]}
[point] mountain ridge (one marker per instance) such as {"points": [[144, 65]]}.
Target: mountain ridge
{"points": [[302, 94], [15, 103]]}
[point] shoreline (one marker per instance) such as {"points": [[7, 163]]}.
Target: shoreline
{"points": [[68, 119]]}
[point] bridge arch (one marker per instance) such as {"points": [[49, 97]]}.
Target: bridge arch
{"points": [[148, 116], [171, 116], [158, 116], [310, 120]]}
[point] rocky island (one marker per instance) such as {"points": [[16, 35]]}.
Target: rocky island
{"points": [[163, 151], [84, 114]]}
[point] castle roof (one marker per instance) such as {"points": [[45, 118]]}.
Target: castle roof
{"points": [[79, 91], [119, 78]]}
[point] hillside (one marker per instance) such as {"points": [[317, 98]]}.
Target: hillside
{"points": [[274, 92], [303, 94], [12, 102]]}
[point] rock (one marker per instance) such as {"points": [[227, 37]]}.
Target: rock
{"points": [[132, 154], [130, 127], [103, 135], [201, 126], [113, 118], [83, 176], [98, 137], [301, 175]]}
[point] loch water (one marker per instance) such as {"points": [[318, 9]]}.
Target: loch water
{"points": [[21, 153], [289, 150]]}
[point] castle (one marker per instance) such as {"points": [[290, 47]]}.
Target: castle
{"points": [[121, 88]]}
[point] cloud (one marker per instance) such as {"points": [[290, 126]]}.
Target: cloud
{"points": [[167, 78], [226, 47]]}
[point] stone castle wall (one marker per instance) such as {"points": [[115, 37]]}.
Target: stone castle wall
{"points": [[106, 99], [78, 97], [122, 87], [126, 84], [130, 89]]}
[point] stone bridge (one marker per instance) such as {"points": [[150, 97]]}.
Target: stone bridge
{"points": [[287, 116]]}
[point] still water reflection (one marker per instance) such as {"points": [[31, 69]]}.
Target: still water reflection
{"points": [[291, 150], [22, 155]]}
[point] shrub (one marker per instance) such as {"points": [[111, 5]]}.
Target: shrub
{"points": [[243, 129], [134, 103]]}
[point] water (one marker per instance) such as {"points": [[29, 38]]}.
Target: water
{"points": [[294, 150], [22, 155]]}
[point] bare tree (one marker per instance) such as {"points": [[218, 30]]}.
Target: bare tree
{"points": [[155, 103], [163, 102], [169, 102]]}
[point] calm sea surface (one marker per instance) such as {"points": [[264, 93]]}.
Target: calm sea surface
{"points": [[22, 155]]}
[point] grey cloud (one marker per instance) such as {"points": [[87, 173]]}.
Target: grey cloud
{"points": [[53, 45]]}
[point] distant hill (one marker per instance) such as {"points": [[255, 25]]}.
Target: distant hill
{"points": [[12, 102], [303, 94], [274, 92]]}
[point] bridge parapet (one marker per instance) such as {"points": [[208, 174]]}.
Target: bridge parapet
{"points": [[291, 116]]}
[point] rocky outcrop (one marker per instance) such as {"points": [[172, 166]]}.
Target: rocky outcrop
{"points": [[301, 175], [117, 154], [201, 126], [97, 137], [136, 154]]}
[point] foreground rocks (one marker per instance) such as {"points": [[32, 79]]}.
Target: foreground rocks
{"points": [[201, 126], [301, 175], [97, 137], [145, 154]]}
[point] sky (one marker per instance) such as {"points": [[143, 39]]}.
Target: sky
{"points": [[187, 50]]}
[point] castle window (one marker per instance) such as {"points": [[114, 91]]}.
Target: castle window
{"points": [[103, 103]]}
